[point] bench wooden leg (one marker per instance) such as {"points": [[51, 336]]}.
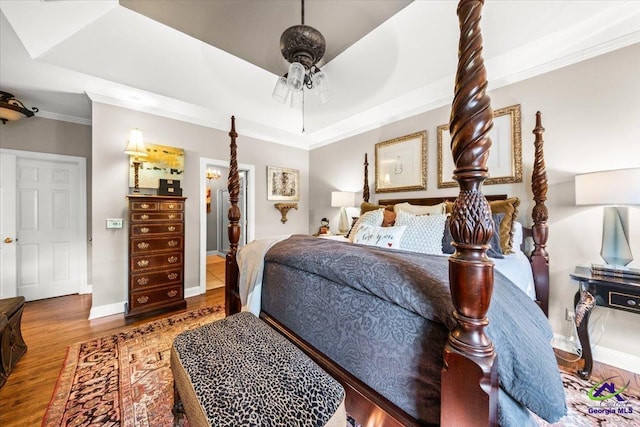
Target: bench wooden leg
{"points": [[179, 414]]}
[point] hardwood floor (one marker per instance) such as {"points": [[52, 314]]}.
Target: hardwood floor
{"points": [[49, 327]]}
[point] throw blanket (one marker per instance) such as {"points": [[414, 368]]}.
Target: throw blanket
{"points": [[418, 283], [250, 260]]}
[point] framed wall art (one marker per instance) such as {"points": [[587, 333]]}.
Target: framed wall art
{"points": [[161, 163], [401, 163], [505, 155], [283, 183]]}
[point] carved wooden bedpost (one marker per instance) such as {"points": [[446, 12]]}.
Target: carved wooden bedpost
{"points": [[540, 214], [469, 376], [365, 189], [232, 296]]}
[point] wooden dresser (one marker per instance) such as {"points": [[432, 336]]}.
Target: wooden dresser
{"points": [[156, 254]]}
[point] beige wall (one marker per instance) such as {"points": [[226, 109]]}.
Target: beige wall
{"points": [[591, 112], [110, 172]]}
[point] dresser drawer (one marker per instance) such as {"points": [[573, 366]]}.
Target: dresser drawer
{"points": [[625, 301], [148, 229], [171, 206], [150, 297], [153, 279], [152, 216], [148, 262], [139, 246], [144, 205]]}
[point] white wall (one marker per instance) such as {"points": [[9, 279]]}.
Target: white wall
{"points": [[110, 130], [591, 112]]}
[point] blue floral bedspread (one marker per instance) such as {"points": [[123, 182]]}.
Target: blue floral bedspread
{"points": [[384, 316]]}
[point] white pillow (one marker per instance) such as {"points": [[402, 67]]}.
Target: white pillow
{"points": [[368, 218], [384, 237], [516, 230], [423, 234], [440, 208]]}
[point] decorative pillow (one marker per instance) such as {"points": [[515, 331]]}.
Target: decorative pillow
{"points": [[368, 207], [420, 210], [389, 218], [384, 237], [517, 237], [369, 218], [354, 219], [423, 234], [510, 209], [494, 250]]}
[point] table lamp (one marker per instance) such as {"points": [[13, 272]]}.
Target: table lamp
{"points": [[135, 148], [343, 200], [617, 189]]}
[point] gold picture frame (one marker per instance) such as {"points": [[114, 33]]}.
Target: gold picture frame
{"points": [[283, 183], [505, 157], [401, 163]]}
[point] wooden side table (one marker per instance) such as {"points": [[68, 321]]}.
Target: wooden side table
{"points": [[613, 292]]}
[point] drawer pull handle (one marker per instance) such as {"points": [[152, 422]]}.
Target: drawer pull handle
{"points": [[145, 206], [172, 206], [143, 263], [144, 216], [144, 230], [171, 228], [143, 281], [172, 276], [143, 299], [172, 243], [172, 293], [143, 245], [172, 259], [172, 216], [631, 302]]}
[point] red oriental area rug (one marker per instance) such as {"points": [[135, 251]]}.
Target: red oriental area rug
{"points": [[123, 379]]}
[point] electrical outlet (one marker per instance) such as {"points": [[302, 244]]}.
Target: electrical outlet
{"points": [[569, 315]]}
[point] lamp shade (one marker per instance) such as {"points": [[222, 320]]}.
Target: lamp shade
{"points": [[342, 199], [135, 147], [614, 187]]}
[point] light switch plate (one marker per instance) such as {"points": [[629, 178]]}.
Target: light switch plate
{"points": [[114, 222]]}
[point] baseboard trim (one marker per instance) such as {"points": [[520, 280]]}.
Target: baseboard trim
{"points": [[192, 291], [106, 310], [626, 361]]}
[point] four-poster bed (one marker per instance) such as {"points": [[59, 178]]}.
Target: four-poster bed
{"points": [[466, 392]]}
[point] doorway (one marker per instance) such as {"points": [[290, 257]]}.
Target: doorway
{"points": [[246, 203], [43, 252]]}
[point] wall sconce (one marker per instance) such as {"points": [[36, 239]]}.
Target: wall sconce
{"points": [[284, 208], [11, 109], [342, 200], [135, 148], [213, 174], [615, 187]]}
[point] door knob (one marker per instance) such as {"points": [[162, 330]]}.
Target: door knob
{"points": [[8, 240]]}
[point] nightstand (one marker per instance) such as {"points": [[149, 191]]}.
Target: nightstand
{"points": [[605, 291]]}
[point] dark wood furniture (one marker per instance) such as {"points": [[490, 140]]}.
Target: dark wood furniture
{"points": [[469, 386], [612, 292], [156, 254], [12, 345]]}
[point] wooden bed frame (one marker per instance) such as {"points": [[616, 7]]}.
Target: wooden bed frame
{"points": [[469, 386]]}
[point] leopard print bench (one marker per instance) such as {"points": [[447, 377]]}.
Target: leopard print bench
{"points": [[238, 371]]}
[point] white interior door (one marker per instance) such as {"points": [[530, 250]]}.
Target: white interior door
{"points": [[8, 232], [50, 226]]}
